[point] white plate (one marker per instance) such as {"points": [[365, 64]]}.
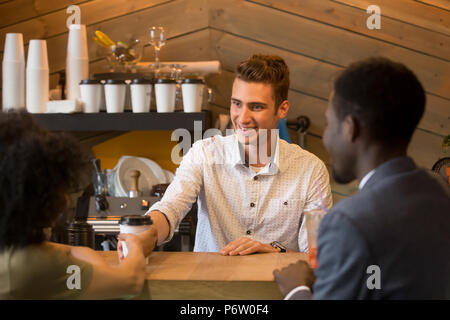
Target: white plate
{"points": [[147, 178]]}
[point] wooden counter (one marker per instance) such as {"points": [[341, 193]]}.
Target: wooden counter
{"points": [[204, 275]]}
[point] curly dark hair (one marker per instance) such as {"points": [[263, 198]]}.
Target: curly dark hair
{"points": [[266, 69], [38, 169]]}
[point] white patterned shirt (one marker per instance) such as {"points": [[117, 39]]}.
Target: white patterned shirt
{"points": [[234, 201]]}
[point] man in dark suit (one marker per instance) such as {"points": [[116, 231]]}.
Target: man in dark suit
{"points": [[392, 239]]}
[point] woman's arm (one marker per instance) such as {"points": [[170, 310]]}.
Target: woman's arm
{"points": [[108, 282]]}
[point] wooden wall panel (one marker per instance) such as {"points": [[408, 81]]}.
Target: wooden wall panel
{"points": [[442, 4], [331, 45], [182, 17], [412, 12], [92, 12], [12, 12], [354, 19]]}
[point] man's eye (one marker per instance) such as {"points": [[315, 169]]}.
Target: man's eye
{"points": [[236, 103], [257, 107]]}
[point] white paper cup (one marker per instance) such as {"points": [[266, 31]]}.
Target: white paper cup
{"points": [[77, 41], [77, 61], [77, 70], [165, 91], [192, 90], [13, 48], [13, 85], [133, 224], [91, 95], [141, 95], [37, 54], [115, 91], [13, 72], [37, 77]]}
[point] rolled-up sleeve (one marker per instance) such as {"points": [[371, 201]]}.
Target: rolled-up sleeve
{"points": [[183, 190]]}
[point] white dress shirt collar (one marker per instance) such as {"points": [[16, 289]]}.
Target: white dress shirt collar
{"points": [[365, 179], [238, 157]]}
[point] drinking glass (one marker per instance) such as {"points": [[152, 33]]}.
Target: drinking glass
{"points": [[313, 219], [157, 40]]}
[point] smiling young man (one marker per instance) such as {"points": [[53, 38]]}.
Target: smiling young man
{"points": [[252, 188]]}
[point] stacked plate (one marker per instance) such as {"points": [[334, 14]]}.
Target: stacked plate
{"points": [[150, 174]]}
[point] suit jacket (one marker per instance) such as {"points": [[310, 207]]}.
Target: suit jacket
{"points": [[399, 222]]}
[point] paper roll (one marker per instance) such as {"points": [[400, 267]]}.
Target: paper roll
{"points": [[200, 67]]}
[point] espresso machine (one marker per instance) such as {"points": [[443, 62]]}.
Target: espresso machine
{"points": [[102, 211]]}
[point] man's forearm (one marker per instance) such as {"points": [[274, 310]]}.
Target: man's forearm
{"points": [[161, 225]]}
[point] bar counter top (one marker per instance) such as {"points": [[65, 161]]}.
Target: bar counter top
{"points": [[207, 275]]}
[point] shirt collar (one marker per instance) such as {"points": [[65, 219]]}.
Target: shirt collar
{"points": [[238, 157], [365, 179]]}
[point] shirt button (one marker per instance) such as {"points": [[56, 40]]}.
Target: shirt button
{"points": [[255, 178], [252, 204], [285, 203], [249, 232]]}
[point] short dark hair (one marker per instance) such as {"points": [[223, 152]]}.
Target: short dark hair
{"points": [[267, 69], [37, 170], [385, 96]]}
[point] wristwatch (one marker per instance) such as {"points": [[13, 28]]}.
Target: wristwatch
{"points": [[278, 246]]}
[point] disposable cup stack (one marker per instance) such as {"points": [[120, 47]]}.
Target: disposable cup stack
{"points": [[13, 75], [37, 77], [77, 60]]}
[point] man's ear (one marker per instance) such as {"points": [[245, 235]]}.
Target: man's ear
{"points": [[283, 109], [351, 128]]}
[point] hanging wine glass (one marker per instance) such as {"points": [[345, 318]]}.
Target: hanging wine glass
{"points": [[157, 40]]}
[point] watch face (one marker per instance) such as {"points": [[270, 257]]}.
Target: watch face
{"points": [[278, 245]]}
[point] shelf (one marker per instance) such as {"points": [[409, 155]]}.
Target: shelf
{"points": [[126, 121]]}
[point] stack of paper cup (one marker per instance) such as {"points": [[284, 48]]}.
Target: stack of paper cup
{"points": [[77, 62], [13, 72], [165, 90], [37, 76], [192, 90]]}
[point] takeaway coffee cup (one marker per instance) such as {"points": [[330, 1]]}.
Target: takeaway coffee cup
{"points": [[192, 90], [141, 94], [133, 224], [91, 95], [80, 233], [115, 91], [165, 90]]}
